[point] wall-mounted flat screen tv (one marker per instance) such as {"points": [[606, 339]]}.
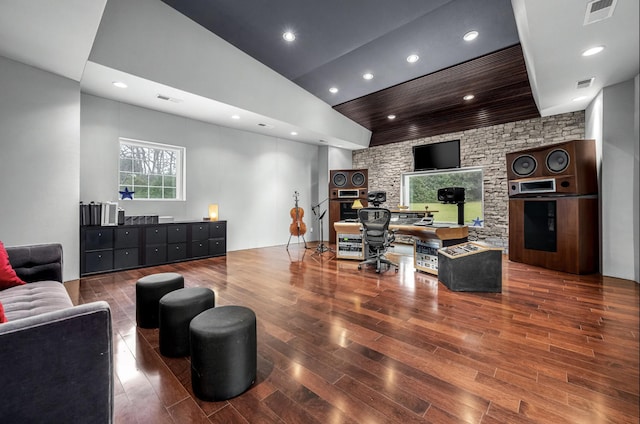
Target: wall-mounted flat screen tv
{"points": [[444, 155]]}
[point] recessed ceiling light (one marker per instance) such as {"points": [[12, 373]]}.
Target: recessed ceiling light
{"points": [[333, 90], [235, 116], [470, 36], [289, 36], [368, 76], [391, 116], [592, 51], [413, 58], [294, 133], [468, 97], [119, 84], [579, 99]]}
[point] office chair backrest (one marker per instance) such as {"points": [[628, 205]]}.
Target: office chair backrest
{"points": [[375, 223]]}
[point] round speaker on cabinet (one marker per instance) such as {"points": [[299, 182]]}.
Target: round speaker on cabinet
{"points": [[358, 179], [339, 179], [524, 165], [557, 160]]}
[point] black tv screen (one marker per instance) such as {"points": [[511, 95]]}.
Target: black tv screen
{"points": [[442, 155]]}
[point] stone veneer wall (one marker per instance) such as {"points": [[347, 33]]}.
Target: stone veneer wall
{"points": [[485, 147]]}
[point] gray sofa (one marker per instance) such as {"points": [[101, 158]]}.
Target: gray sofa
{"points": [[56, 359]]}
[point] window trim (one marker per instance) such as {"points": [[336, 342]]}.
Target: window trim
{"points": [[181, 173], [405, 197]]}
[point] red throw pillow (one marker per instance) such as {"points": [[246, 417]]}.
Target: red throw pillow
{"points": [[8, 277], [3, 318]]}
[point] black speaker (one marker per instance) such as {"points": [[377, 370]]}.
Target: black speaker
{"points": [[524, 165], [451, 195], [358, 179], [563, 168], [339, 179], [540, 225], [377, 197], [348, 183], [557, 160]]}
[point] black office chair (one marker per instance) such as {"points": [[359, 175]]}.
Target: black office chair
{"points": [[376, 236]]}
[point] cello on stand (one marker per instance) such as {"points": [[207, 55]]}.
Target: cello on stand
{"points": [[297, 227]]}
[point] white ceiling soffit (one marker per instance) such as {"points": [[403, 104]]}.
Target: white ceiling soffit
{"points": [[553, 35], [149, 40], [142, 92], [53, 35]]}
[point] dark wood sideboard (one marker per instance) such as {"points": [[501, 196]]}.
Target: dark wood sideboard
{"points": [[112, 248]]}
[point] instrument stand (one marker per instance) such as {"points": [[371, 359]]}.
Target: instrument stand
{"points": [[305, 242], [321, 248]]}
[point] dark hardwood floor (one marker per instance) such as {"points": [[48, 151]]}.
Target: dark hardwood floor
{"points": [[339, 345]]}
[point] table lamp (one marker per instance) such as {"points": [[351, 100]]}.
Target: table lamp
{"points": [[213, 212]]}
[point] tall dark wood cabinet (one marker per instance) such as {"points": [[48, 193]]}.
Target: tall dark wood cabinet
{"points": [[553, 207], [559, 233], [104, 249]]}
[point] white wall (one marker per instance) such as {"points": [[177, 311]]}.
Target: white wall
{"points": [[252, 177], [611, 119], [339, 159], [636, 178], [39, 160], [593, 130]]}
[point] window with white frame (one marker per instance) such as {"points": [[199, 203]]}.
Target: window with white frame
{"points": [[420, 190], [152, 171]]}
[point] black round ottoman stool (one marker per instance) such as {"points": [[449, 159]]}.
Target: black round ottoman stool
{"points": [[223, 352], [176, 310], [149, 291]]}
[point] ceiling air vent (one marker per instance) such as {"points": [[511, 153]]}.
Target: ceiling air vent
{"points": [[599, 10], [167, 98], [585, 83]]}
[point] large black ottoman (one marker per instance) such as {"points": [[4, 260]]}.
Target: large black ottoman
{"points": [[176, 310], [149, 291], [223, 352]]}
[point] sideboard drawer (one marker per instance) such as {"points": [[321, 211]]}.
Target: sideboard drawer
{"points": [[155, 255], [127, 237], [177, 252], [200, 231], [177, 233], [156, 235], [99, 238], [101, 260], [126, 258]]}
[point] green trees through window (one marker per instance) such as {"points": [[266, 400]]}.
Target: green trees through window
{"points": [[420, 191], [151, 170]]}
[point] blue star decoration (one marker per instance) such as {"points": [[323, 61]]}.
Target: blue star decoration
{"points": [[477, 222], [126, 194]]}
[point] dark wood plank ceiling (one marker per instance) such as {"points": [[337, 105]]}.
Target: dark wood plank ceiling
{"points": [[433, 104]]}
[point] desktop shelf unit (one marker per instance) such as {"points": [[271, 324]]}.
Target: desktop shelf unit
{"points": [[427, 241]]}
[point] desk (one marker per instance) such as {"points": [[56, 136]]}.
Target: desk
{"points": [[427, 240]]}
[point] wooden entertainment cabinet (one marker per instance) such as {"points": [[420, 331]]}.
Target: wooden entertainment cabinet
{"points": [[112, 248]]}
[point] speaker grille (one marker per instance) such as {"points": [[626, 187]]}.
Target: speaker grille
{"points": [[557, 160], [339, 179], [524, 165], [358, 179]]}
